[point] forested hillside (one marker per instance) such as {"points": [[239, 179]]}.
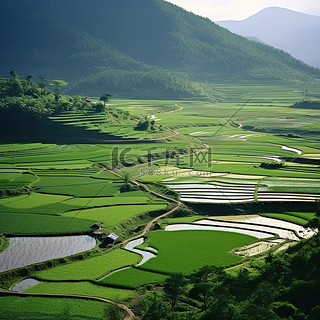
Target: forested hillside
{"points": [[136, 48]]}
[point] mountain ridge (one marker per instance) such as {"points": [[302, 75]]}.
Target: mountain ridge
{"points": [[124, 46], [292, 31]]}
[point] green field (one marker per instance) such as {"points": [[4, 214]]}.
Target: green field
{"points": [[92, 268], [186, 251], [133, 277], [35, 224], [82, 288], [78, 186], [291, 185], [35, 308], [35, 202], [111, 216], [11, 180], [301, 218]]}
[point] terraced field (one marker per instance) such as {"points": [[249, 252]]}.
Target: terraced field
{"points": [[35, 307], [133, 277], [186, 251], [224, 169], [92, 268]]}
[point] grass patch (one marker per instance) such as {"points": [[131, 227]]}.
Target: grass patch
{"points": [[104, 174], [36, 308], [82, 288], [186, 251], [188, 219], [31, 201], [4, 242], [91, 268], [133, 277], [12, 180], [78, 186], [133, 197], [111, 216], [291, 185], [39, 224], [286, 217]]}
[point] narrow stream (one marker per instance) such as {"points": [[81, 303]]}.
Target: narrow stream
{"points": [[146, 255]]}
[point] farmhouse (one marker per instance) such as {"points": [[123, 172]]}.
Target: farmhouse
{"points": [[112, 237], [96, 226]]}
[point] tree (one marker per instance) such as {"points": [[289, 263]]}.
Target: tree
{"points": [[58, 84], [43, 82], [174, 286], [105, 98], [143, 125], [314, 224], [13, 74], [152, 125], [14, 88], [98, 107], [126, 178], [29, 77], [155, 308], [202, 291], [112, 312]]}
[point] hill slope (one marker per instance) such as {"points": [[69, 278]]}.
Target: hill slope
{"points": [[146, 48], [293, 32]]}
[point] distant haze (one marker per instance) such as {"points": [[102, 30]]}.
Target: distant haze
{"points": [[239, 10], [294, 32]]}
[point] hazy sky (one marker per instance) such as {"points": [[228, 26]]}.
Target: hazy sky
{"points": [[241, 9]]}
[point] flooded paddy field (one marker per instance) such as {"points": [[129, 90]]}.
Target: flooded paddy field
{"points": [[24, 251]]}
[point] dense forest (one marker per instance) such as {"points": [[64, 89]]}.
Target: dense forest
{"points": [[145, 48]]}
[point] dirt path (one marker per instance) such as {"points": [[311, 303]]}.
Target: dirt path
{"points": [[148, 227], [130, 314], [176, 110]]}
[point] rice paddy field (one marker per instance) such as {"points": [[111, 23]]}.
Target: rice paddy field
{"points": [[133, 277], [187, 251], [34, 308], [249, 150], [24, 251], [82, 288], [92, 268]]}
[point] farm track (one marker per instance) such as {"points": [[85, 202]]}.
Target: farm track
{"points": [[130, 314]]}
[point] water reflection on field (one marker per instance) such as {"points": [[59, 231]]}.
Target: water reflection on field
{"points": [[24, 251]]}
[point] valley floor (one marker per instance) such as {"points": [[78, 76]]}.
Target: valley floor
{"points": [[211, 188]]}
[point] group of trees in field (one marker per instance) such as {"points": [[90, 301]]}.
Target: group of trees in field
{"points": [[147, 124], [283, 286]]}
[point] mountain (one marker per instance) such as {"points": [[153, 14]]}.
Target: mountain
{"points": [[291, 31], [140, 48]]}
